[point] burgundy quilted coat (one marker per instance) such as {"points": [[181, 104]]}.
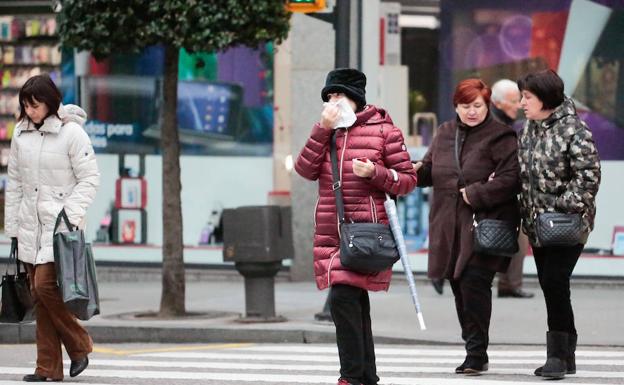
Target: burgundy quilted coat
{"points": [[375, 137]]}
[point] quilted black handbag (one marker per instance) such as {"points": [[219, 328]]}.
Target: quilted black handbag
{"points": [[558, 229], [366, 248], [494, 237], [490, 236]]}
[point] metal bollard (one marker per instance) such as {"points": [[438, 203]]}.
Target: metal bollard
{"points": [[257, 239]]}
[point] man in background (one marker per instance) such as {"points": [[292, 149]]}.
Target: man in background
{"points": [[505, 107]]}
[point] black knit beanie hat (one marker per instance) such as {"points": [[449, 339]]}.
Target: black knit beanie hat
{"points": [[350, 82]]}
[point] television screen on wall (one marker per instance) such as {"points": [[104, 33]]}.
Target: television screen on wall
{"points": [[209, 109]]}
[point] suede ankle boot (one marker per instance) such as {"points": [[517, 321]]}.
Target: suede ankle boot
{"points": [[571, 360], [557, 355]]}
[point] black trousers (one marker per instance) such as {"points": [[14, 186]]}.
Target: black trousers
{"points": [[554, 268], [350, 310], [473, 302]]}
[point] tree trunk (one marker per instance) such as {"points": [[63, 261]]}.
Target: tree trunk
{"points": [[173, 286]]}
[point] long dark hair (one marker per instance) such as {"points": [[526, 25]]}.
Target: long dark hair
{"points": [[42, 89]]}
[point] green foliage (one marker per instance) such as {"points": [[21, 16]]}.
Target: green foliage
{"points": [[109, 26]]}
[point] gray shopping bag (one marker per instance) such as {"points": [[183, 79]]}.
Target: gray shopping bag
{"points": [[93, 306], [72, 269]]}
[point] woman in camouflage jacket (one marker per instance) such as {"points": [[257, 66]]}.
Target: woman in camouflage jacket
{"points": [[560, 172]]}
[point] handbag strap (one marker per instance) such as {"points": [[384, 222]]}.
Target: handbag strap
{"points": [[458, 149], [13, 258], [63, 215], [337, 184], [462, 181]]}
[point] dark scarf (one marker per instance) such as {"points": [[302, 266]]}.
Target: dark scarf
{"points": [[501, 116]]}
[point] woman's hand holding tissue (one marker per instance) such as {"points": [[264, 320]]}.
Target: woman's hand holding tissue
{"points": [[329, 116]]}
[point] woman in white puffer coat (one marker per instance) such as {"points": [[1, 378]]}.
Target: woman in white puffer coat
{"points": [[51, 166]]}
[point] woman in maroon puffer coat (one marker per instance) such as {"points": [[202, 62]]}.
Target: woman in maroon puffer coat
{"points": [[385, 169]]}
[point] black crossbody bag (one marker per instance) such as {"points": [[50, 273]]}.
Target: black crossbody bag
{"points": [[490, 236], [366, 248], [554, 228]]}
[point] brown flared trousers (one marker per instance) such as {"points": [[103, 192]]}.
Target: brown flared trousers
{"points": [[55, 324]]}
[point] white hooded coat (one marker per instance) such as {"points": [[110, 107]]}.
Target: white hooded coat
{"points": [[49, 169]]}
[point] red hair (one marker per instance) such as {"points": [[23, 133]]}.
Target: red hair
{"points": [[469, 89]]}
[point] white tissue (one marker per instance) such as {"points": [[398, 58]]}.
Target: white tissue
{"points": [[347, 116]]}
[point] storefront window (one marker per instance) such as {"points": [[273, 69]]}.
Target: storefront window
{"points": [[580, 39], [225, 101]]}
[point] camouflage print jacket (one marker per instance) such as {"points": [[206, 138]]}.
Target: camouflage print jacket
{"points": [[559, 168]]}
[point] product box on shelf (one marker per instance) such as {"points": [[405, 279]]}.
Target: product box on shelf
{"points": [[129, 226], [130, 193]]}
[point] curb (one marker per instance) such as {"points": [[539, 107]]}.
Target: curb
{"points": [[25, 334]]}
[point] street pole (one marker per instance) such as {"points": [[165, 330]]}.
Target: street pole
{"points": [[341, 19], [342, 28]]}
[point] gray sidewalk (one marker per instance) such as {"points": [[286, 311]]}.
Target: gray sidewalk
{"points": [[218, 297]]}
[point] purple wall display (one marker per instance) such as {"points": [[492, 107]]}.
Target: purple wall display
{"points": [[243, 66], [492, 39], [609, 138]]}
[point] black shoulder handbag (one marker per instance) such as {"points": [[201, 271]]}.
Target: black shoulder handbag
{"points": [[366, 248], [554, 228], [17, 303], [490, 236], [558, 229], [494, 237]]}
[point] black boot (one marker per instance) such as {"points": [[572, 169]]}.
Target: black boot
{"points": [[557, 354], [473, 366], [34, 378], [37, 378], [78, 366], [438, 285], [571, 360]]}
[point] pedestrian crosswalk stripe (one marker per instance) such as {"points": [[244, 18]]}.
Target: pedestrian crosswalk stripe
{"points": [[125, 352], [230, 355], [20, 382], [271, 378], [322, 368], [407, 351]]}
